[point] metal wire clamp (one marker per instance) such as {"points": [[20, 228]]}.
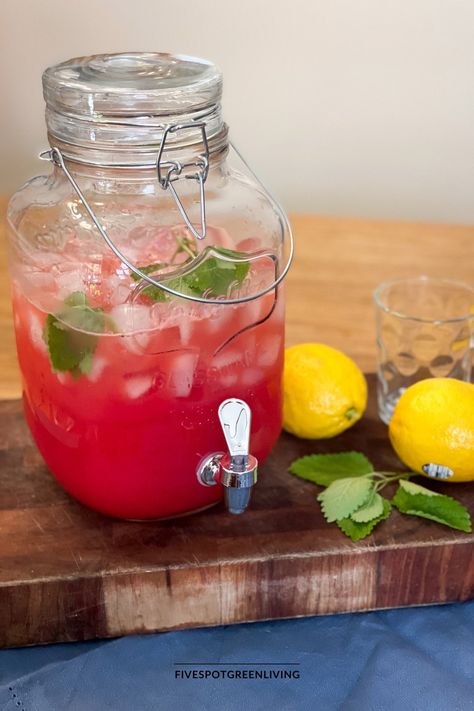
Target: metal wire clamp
{"points": [[175, 169]]}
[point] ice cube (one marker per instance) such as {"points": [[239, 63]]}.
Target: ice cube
{"points": [[181, 373], [41, 280], [69, 281], [220, 316], [279, 312], [151, 243], [226, 359], [250, 377], [249, 244], [141, 340], [268, 350], [131, 317], [228, 380], [98, 367], [185, 329], [138, 385], [109, 286], [252, 311], [44, 260], [136, 342], [118, 294], [36, 332]]}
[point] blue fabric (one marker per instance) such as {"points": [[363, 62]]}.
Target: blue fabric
{"points": [[418, 659]]}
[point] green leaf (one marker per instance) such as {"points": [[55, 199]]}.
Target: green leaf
{"points": [[411, 488], [148, 269], [85, 366], [77, 298], [323, 469], [212, 274], [217, 274], [428, 504], [373, 508], [71, 334], [356, 531], [344, 496]]}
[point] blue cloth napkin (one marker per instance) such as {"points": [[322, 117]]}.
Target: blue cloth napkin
{"points": [[418, 659]]}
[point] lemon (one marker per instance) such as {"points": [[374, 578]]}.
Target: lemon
{"points": [[432, 429], [324, 391]]}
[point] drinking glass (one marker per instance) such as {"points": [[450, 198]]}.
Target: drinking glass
{"points": [[425, 329]]}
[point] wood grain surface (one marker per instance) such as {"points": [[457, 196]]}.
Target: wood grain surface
{"points": [[68, 573], [338, 264]]}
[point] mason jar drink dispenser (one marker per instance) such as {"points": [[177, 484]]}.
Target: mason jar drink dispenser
{"points": [[147, 271]]}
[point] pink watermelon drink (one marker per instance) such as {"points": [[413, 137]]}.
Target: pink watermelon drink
{"points": [[121, 393]]}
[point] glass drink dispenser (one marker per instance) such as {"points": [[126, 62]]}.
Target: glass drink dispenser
{"points": [[147, 271]]}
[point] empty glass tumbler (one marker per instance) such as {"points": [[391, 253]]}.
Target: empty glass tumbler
{"points": [[425, 329]]}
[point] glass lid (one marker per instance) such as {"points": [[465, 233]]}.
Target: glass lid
{"points": [[132, 84]]}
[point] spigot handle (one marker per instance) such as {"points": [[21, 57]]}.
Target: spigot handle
{"points": [[235, 418], [236, 469]]}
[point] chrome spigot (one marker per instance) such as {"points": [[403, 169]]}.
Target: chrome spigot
{"points": [[236, 469]]}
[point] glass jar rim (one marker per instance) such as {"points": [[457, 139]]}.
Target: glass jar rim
{"points": [[381, 290]]}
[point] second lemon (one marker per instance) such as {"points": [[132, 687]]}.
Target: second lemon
{"points": [[324, 391]]}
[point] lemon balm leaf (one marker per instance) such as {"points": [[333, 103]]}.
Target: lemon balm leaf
{"points": [[323, 469], [373, 508], [351, 498], [356, 530], [71, 335], [436, 507], [411, 488], [343, 496], [63, 353]]}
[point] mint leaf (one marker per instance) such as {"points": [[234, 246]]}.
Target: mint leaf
{"points": [[373, 508], [356, 531], [154, 293], [64, 354], [212, 274], [217, 274], [70, 334], [344, 496], [431, 505], [323, 469], [77, 298], [148, 269]]}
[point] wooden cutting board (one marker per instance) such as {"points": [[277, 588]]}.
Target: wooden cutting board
{"points": [[67, 573]]}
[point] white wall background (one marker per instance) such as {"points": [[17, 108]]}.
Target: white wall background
{"points": [[349, 107]]}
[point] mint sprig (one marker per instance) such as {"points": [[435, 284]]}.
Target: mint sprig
{"points": [[70, 334], [213, 274], [352, 500]]}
